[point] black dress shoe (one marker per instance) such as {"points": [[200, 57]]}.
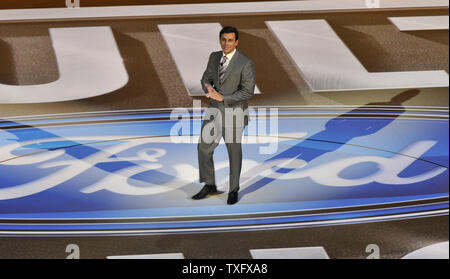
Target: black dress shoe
{"points": [[206, 191], [232, 198]]}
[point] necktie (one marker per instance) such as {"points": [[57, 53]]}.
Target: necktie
{"points": [[222, 68]]}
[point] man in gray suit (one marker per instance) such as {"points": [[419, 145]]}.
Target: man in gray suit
{"points": [[229, 81]]}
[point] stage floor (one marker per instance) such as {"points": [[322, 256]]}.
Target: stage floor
{"points": [[131, 174]]}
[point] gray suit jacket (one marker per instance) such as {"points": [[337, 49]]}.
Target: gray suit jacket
{"points": [[238, 84]]}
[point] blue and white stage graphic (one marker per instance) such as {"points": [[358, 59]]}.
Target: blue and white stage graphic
{"points": [[130, 173]]}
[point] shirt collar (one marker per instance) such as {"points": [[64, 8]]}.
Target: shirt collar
{"points": [[229, 55]]}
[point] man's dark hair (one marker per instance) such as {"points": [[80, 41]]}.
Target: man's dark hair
{"points": [[229, 29]]}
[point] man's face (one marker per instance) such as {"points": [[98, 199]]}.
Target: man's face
{"points": [[228, 42]]}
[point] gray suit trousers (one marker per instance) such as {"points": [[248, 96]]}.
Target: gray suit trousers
{"points": [[212, 132]]}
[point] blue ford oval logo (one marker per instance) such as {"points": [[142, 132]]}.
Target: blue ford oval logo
{"points": [[132, 173]]}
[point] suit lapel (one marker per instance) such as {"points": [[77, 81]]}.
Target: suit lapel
{"points": [[217, 61]]}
